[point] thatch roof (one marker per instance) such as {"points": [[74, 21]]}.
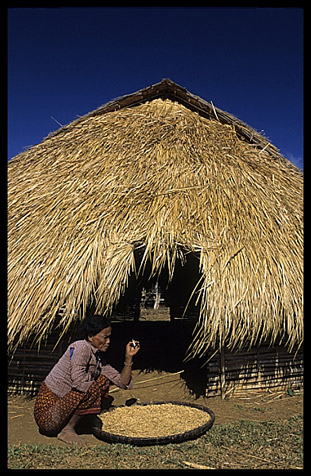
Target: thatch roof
{"points": [[166, 171]]}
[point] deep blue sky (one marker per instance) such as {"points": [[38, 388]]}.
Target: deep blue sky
{"points": [[66, 62]]}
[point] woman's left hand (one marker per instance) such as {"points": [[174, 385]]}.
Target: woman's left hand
{"points": [[132, 350]]}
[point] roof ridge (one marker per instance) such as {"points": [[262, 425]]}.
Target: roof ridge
{"points": [[168, 89]]}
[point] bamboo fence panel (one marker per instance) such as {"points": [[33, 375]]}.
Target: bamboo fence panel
{"points": [[228, 372], [254, 369]]}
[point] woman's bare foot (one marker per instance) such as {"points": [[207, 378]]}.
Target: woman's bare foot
{"points": [[68, 434], [70, 437]]}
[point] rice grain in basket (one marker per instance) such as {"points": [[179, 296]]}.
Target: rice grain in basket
{"points": [[148, 421]]}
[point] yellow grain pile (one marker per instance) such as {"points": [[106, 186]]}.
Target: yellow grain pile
{"points": [[149, 421]]}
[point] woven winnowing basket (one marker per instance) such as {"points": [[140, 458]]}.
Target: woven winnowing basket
{"points": [[174, 438]]}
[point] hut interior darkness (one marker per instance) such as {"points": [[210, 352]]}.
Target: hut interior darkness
{"points": [[177, 293], [160, 189]]}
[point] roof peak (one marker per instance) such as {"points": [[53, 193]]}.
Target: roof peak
{"points": [[165, 89], [168, 89]]}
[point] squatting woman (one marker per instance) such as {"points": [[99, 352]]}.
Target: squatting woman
{"points": [[80, 380]]}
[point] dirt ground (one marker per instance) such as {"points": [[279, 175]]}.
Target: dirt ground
{"points": [[158, 377], [161, 386]]}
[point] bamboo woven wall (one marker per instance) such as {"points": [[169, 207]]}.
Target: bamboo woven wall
{"points": [[228, 373], [29, 366], [255, 369]]}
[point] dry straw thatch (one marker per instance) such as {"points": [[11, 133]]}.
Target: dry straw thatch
{"points": [[167, 172]]}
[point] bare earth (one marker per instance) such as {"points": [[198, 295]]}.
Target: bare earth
{"points": [[161, 386]]}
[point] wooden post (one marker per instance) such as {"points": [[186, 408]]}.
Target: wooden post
{"points": [[222, 372], [157, 296]]}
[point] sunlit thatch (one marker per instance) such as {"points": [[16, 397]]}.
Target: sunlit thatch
{"points": [[168, 172]]}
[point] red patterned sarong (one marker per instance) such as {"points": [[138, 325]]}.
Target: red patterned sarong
{"points": [[52, 412]]}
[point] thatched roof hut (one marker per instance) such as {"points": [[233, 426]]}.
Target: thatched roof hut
{"points": [[167, 173]]}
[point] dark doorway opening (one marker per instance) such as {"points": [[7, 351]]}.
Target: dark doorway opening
{"points": [[162, 314], [175, 298]]}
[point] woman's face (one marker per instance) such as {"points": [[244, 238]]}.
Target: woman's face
{"points": [[101, 340]]}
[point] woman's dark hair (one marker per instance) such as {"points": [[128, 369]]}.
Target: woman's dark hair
{"points": [[92, 325]]}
